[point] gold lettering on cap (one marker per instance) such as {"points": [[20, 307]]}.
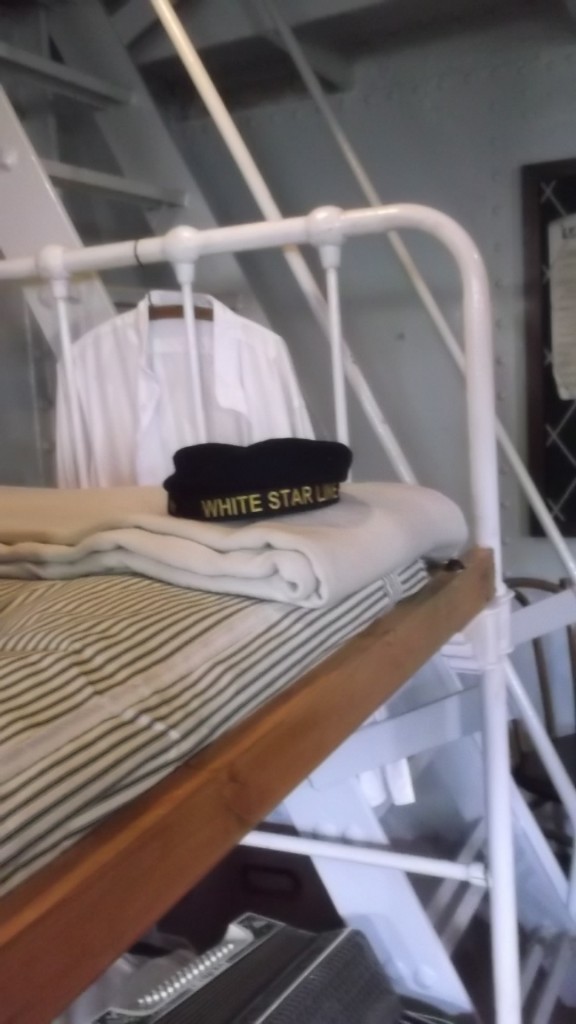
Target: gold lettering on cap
{"points": [[241, 500], [256, 503], [226, 506], [325, 492], [209, 508]]}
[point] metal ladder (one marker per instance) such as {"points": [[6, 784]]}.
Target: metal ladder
{"points": [[43, 197]]}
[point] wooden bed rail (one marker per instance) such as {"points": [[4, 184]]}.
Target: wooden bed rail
{"points": [[63, 927]]}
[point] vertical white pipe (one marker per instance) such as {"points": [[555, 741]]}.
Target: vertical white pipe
{"points": [[480, 399], [193, 358], [35, 391], [297, 54], [503, 912], [269, 209], [60, 292], [338, 377]]}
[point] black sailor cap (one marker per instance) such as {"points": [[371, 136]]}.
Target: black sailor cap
{"points": [[223, 482]]}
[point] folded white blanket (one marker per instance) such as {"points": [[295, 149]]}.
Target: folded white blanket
{"points": [[312, 559]]}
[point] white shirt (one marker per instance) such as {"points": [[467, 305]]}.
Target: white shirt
{"points": [[132, 379]]}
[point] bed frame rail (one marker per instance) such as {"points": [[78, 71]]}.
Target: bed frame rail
{"points": [[64, 926]]}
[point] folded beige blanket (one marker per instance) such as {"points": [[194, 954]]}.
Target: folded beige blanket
{"points": [[312, 559]]}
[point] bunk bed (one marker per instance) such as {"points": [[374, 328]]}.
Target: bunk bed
{"points": [[74, 916], [70, 920]]}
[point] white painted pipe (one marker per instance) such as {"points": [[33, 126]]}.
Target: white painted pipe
{"points": [[504, 935], [217, 109], [60, 292], [474, 873], [35, 391], [310, 79], [338, 375], [198, 411], [352, 223]]}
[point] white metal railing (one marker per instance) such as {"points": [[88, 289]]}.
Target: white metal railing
{"points": [[415, 276], [269, 209], [327, 229]]}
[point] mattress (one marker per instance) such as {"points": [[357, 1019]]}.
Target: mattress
{"points": [[108, 683]]}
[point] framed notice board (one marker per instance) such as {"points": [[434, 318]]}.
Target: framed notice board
{"points": [[549, 220]]}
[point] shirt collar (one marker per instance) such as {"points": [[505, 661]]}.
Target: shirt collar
{"points": [[227, 336]]}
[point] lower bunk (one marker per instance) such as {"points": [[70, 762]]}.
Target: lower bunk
{"points": [[81, 907]]}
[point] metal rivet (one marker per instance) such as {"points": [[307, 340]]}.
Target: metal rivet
{"points": [[8, 158], [425, 977]]}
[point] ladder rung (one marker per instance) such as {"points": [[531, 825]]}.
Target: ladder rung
{"points": [[112, 186], [60, 78]]}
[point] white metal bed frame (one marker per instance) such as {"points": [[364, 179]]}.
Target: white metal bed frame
{"points": [[327, 229], [489, 640], [485, 645], [553, 612]]}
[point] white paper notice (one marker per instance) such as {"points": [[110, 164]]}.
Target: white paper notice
{"points": [[562, 250]]}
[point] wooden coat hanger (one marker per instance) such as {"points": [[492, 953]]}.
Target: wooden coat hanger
{"points": [[177, 312]]}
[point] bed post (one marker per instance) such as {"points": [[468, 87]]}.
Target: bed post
{"points": [[491, 633]]}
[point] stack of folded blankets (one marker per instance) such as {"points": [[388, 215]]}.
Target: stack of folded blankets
{"points": [[229, 526]]}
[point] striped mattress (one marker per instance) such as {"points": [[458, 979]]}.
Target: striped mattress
{"points": [[108, 683]]}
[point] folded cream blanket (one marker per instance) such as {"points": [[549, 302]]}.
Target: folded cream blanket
{"points": [[312, 559]]}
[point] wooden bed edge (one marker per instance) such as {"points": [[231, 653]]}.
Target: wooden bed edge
{"points": [[60, 929]]}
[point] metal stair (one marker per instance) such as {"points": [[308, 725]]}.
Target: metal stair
{"points": [[57, 78], [113, 186]]}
